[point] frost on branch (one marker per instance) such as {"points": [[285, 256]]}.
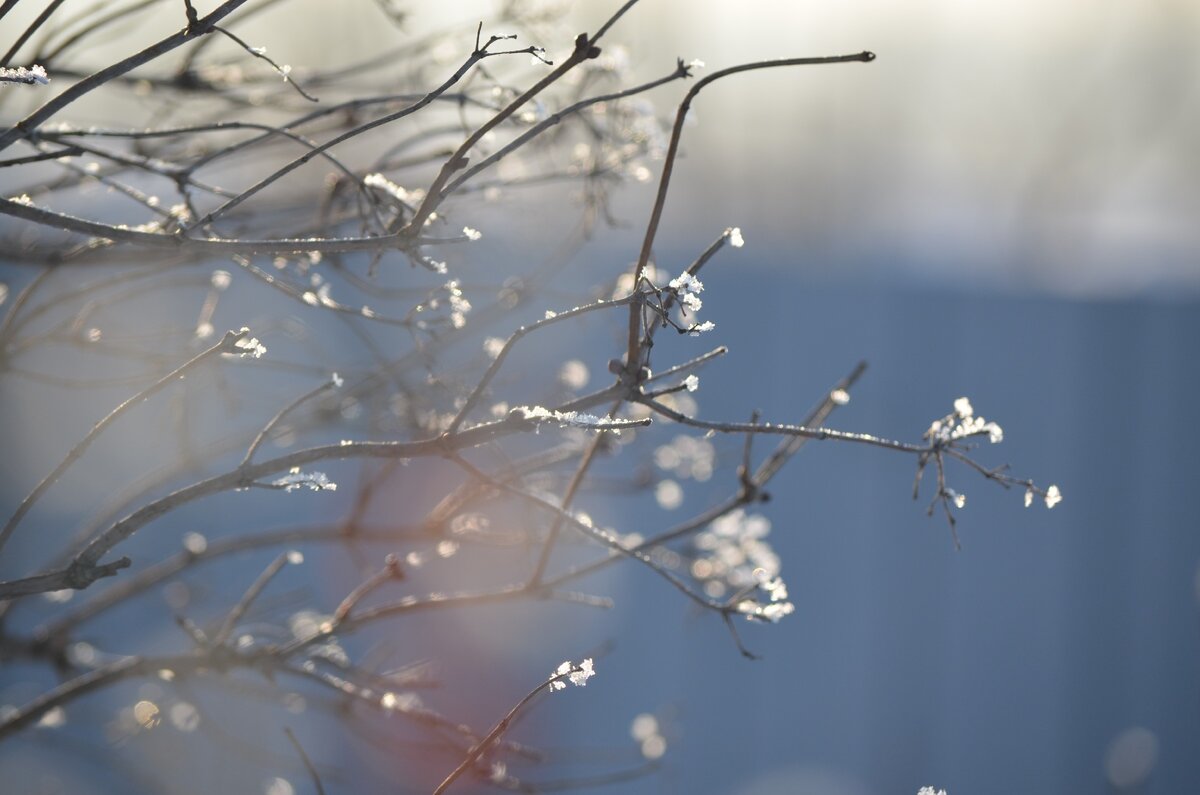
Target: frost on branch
{"points": [[295, 479], [368, 221], [687, 289], [946, 437], [962, 424], [575, 674], [574, 419], [250, 346], [34, 75]]}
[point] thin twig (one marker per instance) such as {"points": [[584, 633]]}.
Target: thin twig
{"points": [[228, 344], [279, 415], [498, 731], [30, 123], [239, 609], [664, 181], [308, 764]]}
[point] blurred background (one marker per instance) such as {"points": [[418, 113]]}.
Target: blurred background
{"points": [[1003, 206]]}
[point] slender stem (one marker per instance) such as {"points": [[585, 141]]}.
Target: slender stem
{"points": [[283, 412], [513, 339], [785, 430], [607, 540], [199, 245], [226, 345], [239, 609], [435, 193], [83, 569], [308, 764], [554, 119], [31, 122], [473, 59], [585, 463], [664, 181], [496, 733], [29, 31]]}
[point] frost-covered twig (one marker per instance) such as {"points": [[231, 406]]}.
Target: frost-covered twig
{"points": [[664, 181], [577, 674], [31, 122], [782, 429], [83, 568], [551, 318], [35, 75]]}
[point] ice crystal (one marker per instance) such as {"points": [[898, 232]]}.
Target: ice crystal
{"points": [[1053, 496], [962, 424], [250, 346], [576, 419], [577, 675], [295, 479], [30, 76]]}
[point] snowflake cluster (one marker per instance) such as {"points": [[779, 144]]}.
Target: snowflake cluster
{"points": [[31, 76], [382, 183], [575, 674], [250, 346], [687, 289], [573, 419], [295, 479], [1053, 496], [963, 423]]}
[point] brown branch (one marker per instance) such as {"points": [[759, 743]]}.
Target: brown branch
{"points": [[498, 731], [664, 181], [27, 126], [82, 570], [242, 605], [785, 430], [228, 344], [585, 49], [198, 245]]}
